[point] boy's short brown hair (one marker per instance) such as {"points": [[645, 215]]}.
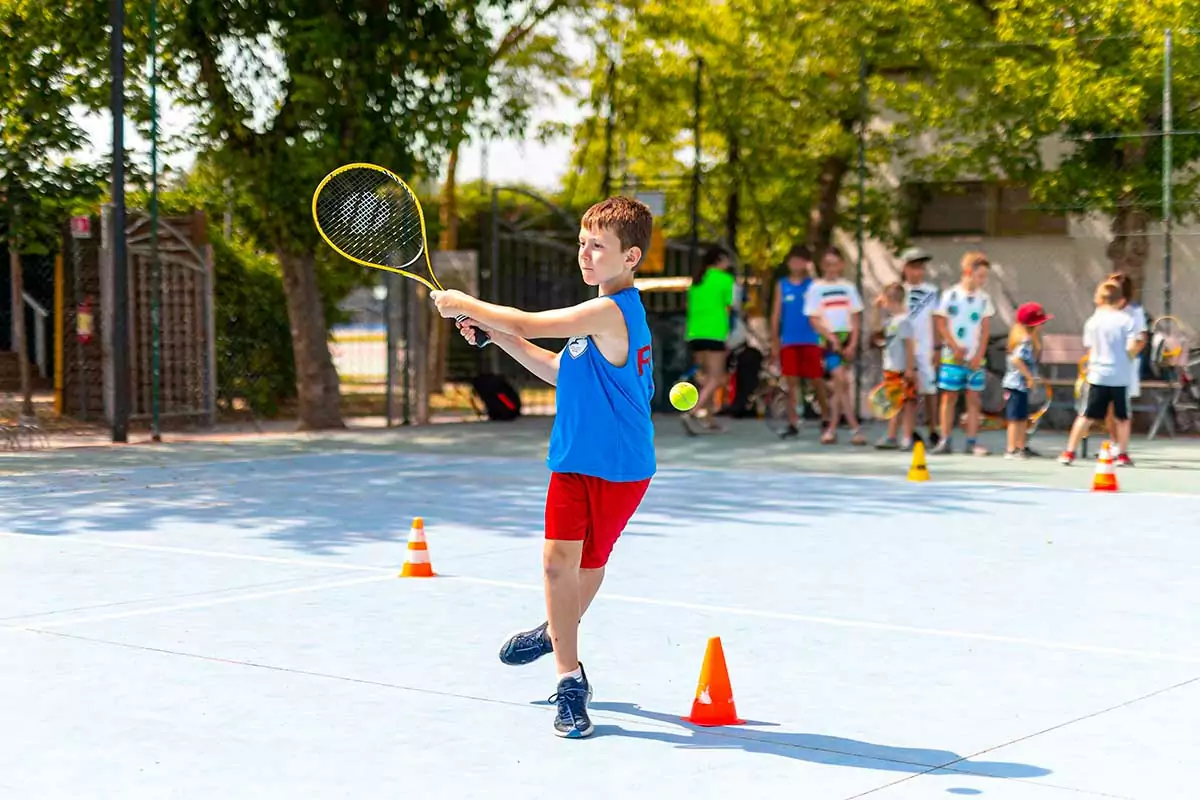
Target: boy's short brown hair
{"points": [[1122, 280], [630, 220], [973, 259], [895, 292], [1109, 293]]}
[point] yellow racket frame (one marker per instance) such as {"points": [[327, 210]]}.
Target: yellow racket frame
{"points": [[436, 286]]}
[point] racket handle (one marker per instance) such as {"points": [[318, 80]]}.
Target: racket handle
{"points": [[481, 337]]}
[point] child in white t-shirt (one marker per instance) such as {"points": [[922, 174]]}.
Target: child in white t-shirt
{"points": [[1111, 341], [964, 322], [1141, 329], [835, 307], [900, 369]]}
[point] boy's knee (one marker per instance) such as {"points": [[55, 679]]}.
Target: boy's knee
{"points": [[561, 558]]}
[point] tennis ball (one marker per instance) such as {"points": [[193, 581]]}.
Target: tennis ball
{"points": [[684, 396]]}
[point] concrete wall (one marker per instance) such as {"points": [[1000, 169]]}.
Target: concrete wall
{"points": [[1060, 272]]}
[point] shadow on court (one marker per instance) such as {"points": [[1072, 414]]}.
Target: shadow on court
{"points": [[326, 503], [810, 747]]}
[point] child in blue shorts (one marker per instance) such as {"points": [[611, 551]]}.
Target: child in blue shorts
{"points": [[1020, 376], [964, 319]]}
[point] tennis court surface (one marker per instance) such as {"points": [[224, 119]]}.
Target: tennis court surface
{"points": [[203, 621]]}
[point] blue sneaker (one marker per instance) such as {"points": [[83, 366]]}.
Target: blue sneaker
{"points": [[572, 721], [527, 647]]}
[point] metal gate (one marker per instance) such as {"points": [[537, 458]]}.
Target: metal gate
{"points": [[187, 373]]}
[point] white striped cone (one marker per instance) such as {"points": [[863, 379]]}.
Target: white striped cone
{"points": [[416, 562]]}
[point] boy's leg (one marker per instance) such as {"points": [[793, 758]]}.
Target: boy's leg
{"points": [[910, 420], [822, 397], [560, 563], [949, 404]]}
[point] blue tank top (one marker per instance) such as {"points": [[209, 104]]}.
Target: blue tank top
{"points": [[602, 421], [794, 325]]}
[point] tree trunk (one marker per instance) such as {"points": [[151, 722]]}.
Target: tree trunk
{"points": [[317, 386], [1130, 246], [823, 216], [18, 329], [732, 202]]}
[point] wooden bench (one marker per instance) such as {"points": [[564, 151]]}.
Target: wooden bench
{"points": [[1061, 356]]}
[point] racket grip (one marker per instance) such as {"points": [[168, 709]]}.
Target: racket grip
{"points": [[481, 337]]}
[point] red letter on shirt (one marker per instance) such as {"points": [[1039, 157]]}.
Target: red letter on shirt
{"points": [[643, 358]]}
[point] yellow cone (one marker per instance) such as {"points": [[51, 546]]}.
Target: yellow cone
{"points": [[918, 471]]}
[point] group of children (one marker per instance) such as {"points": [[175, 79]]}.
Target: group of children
{"points": [[934, 347]]}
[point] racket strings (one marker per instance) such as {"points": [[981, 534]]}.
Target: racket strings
{"points": [[371, 217]]}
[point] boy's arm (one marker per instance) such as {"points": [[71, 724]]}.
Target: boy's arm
{"points": [[538, 360], [597, 316], [941, 328], [910, 358], [985, 332]]}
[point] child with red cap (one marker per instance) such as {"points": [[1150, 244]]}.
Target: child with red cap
{"points": [[1020, 376]]}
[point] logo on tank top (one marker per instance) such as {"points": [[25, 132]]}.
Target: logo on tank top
{"points": [[576, 345]]}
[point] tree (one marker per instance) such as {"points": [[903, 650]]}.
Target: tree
{"points": [[524, 64], [786, 91], [42, 75], [1092, 73], [288, 90]]}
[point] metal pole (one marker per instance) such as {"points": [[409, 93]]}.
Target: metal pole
{"points": [[862, 191], [155, 265], [120, 316], [698, 99], [610, 125], [80, 376], [494, 355], [406, 301], [390, 340], [1168, 127]]}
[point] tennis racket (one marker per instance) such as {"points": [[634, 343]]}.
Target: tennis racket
{"points": [[368, 215], [886, 400], [1040, 400]]}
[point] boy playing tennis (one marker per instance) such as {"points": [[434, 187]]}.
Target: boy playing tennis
{"points": [[601, 455]]}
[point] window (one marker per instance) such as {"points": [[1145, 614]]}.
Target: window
{"points": [[979, 208]]}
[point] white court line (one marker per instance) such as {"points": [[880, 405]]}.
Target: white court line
{"points": [[862, 624], [141, 612], [836, 622], [188, 551]]}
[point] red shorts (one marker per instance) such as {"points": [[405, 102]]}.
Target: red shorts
{"points": [[582, 508], [802, 361]]}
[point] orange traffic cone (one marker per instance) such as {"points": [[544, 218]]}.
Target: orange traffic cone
{"points": [[1105, 479], [713, 705], [416, 562]]}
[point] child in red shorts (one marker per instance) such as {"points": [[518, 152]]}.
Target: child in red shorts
{"points": [[795, 342], [602, 445]]}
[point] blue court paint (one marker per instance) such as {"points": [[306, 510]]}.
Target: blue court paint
{"points": [[175, 629]]}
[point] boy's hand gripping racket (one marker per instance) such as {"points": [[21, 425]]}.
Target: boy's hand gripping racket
{"points": [[370, 216]]}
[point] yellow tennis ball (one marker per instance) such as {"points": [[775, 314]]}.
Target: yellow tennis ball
{"points": [[684, 396]]}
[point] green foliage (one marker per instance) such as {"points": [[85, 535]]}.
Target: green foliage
{"points": [[43, 73], [954, 90], [254, 344]]}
